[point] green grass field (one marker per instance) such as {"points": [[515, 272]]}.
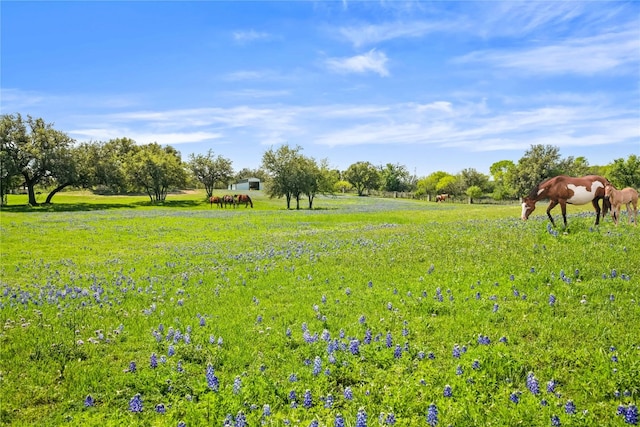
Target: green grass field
{"points": [[116, 312]]}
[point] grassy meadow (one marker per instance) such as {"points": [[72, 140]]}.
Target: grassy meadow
{"points": [[361, 312]]}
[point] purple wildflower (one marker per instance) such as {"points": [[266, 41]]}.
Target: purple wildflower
{"points": [[354, 347], [555, 421], [314, 423], [135, 404], [348, 394], [241, 420], [266, 410], [389, 340], [514, 398], [328, 402], [132, 366], [432, 415], [237, 385], [456, 351], [160, 409], [532, 383], [339, 421], [89, 401], [212, 380], [153, 361], [391, 419], [397, 353], [361, 418], [570, 407], [317, 365], [447, 391], [308, 399]]}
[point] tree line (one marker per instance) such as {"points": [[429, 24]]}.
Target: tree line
{"points": [[33, 154]]}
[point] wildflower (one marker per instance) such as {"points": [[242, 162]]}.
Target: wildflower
{"points": [[202, 321], [391, 419], [631, 415], [447, 391], [266, 410], [514, 398], [475, 364], [456, 351], [389, 340], [241, 420], [317, 365], [552, 300], [135, 404], [328, 403], [361, 418], [293, 378], [153, 361], [179, 367], [89, 401], [339, 421], [432, 415], [212, 380], [348, 393], [367, 337], [570, 407], [314, 423], [132, 366], [308, 399], [237, 385], [171, 351], [397, 353], [182, 424], [354, 347], [532, 383], [459, 370], [551, 386], [555, 421]]}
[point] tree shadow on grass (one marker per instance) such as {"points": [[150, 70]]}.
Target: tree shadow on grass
{"points": [[87, 207]]}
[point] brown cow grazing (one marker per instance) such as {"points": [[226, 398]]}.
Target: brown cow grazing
{"points": [[563, 189], [627, 196]]}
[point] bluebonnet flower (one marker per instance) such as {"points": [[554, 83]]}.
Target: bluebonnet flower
{"points": [[361, 418], [631, 415], [397, 353], [266, 410], [614, 273], [514, 398], [475, 364], [160, 409], [187, 338], [432, 415], [570, 407], [328, 402], [314, 423], [259, 319], [135, 404], [456, 351], [431, 356], [163, 359], [308, 399], [555, 421], [89, 401], [341, 333], [202, 321], [241, 420], [171, 351], [288, 333], [179, 367], [132, 366], [405, 332], [532, 383], [420, 355], [389, 340], [354, 347], [326, 336], [495, 307], [292, 396], [237, 385], [182, 424], [317, 365], [212, 339], [459, 370], [293, 378], [483, 340], [212, 380], [348, 291], [447, 391], [391, 419], [503, 340], [339, 421], [367, 337], [348, 394], [153, 361]]}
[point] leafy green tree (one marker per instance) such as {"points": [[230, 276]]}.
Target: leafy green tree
{"points": [[34, 149], [363, 176], [210, 170], [450, 185], [395, 177], [283, 169], [500, 171], [578, 166], [474, 192], [156, 170], [540, 162], [429, 184], [470, 177], [75, 168], [342, 186], [625, 173], [112, 166]]}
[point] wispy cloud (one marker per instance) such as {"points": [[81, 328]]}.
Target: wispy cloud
{"points": [[372, 61], [249, 36], [586, 56], [371, 34]]}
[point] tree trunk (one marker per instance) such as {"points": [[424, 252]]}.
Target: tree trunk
{"points": [[55, 190], [31, 183], [310, 202]]}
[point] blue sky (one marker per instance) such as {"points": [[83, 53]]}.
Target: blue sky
{"points": [[432, 86]]}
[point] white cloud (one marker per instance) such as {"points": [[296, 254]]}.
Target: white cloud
{"points": [[250, 36], [588, 55], [373, 61]]}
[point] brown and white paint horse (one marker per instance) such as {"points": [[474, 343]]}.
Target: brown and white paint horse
{"points": [[563, 189], [228, 199], [627, 196], [243, 198], [441, 197]]}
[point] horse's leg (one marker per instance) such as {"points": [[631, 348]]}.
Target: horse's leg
{"points": [[563, 207], [596, 206], [634, 203], [552, 205]]}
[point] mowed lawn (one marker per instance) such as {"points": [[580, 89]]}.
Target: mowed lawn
{"points": [[363, 311]]}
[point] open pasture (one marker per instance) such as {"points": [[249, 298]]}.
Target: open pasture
{"points": [[362, 312]]}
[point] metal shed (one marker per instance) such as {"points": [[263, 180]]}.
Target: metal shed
{"points": [[247, 184]]}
